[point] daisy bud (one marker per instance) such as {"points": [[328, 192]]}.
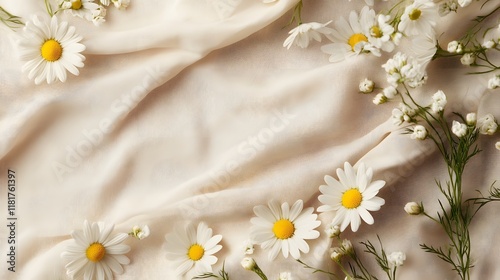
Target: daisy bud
{"points": [[413, 208], [459, 129], [333, 231], [379, 99], [419, 132], [366, 86], [336, 254], [471, 118], [452, 46], [390, 92], [497, 145], [487, 125], [467, 59], [396, 258], [248, 263]]}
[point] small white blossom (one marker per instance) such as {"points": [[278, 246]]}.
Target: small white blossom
{"points": [[390, 92], [105, 2], [98, 16], [447, 7], [303, 34], [248, 263], [366, 86], [467, 59], [494, 82], [249, 247], [487, 125], [379, 99], [347, 246], [140, 232], [497, 145], [285, 276], [413, 208], [332, 230], [464, 3], [488, 44], [121, 4], [336, 254], [459, 129], [402, 114], [419, 132], [403, 69], [396, 258], [439, 101], [452, 46], [471, 118]]}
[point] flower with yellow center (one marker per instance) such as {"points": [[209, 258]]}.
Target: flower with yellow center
{"points": [[378, 29], [95, 252], [50, 48], [350, 37], [419, 18], [279, 227], [81, 8], [351, 196], [192, 248]]}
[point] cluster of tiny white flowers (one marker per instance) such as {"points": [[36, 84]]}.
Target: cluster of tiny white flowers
{"points": [[404, 69], [494, 82], [402, 114]]}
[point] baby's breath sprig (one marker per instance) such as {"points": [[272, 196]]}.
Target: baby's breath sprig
{"points": [[10, 20]]}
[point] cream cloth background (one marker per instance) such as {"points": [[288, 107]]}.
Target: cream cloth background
{"points": [[193, 111]]}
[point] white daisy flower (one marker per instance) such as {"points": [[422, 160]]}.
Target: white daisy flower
{"points": [[50, 49], [96, 253], [419, 18], [349, 39], [378, 30], [81, 8], [303, 34], [284, 228], [193, 248], [352, 196]]}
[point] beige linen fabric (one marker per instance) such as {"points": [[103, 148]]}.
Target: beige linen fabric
{"points": [[193, 111]]}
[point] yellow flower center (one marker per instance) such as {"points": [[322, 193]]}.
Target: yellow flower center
{"points": [[95, 252], [376, 32], [356, 38], [415, 14], [283, 229], [351, 199], [196, 252], [76, 5], [51, 50]]}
